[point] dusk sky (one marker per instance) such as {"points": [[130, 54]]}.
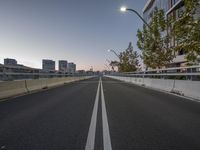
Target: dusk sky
{"points": [[79, 31]]}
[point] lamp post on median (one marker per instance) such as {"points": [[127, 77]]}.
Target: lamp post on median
{"points": [[124, 9]]}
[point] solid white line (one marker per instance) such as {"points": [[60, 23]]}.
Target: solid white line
{"points": [[106, 132], [92, 129]]}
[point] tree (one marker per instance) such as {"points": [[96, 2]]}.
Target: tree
{"points": [[187, 31], [114, 64], [153, 42], [128, 60]]}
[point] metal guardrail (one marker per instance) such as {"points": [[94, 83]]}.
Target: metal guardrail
{"points": [[185, 73], [175, 69], [165, 74], [47, 74], [5, 76]]}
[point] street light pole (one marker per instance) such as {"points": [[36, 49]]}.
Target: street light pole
{"points": [[107, 67], [124, 9], [111, 50]]}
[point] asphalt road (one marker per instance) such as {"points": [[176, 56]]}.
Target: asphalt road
{"points": [[99, 115]]}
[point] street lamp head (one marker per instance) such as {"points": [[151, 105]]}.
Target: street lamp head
{"points": [[123, 9], [111, 50]]}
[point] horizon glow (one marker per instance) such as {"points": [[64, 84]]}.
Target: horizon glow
{"points": [[35, 30]]}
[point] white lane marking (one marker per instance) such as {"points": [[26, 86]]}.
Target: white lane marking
{"points": [[92, 129], [106, 132]]}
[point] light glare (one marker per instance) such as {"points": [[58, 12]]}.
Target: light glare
{"points": [[123, 9]]}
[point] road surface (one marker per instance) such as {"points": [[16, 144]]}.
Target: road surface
{"points": [[99, 114]]}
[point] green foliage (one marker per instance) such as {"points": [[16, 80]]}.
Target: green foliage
{"points": [[152, 43], [114, 64], [128, 60], [187, 31]]}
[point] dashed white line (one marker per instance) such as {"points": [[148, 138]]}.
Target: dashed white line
{"points": [[92, 129], [106, 133]]}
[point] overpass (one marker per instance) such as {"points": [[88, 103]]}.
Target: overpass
{"points": [[99, 113]]}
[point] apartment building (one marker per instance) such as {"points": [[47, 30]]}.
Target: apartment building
{"points": [[71, 67], [9, 61], [48, 65], [172, 8], [62, 66]]}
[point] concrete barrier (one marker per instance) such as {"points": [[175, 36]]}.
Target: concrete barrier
{"points": [[53, 82], [162, 84], [188, 88], [182, 87], [35, 84], [12, 88]]}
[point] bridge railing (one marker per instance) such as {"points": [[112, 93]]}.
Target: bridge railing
{"points": [[182, 73], [9, 76]]}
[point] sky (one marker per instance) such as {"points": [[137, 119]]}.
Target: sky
{"points": [[79, 31]]}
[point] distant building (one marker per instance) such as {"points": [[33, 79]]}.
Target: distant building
{"points": [[71, 67], [9, 61], [48, 65], [62, 66], [19, 69], [81, 71]]}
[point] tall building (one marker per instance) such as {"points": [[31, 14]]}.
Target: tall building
{"points": [[48, 65], [172, 8], [9, 61], [71, 67], [62, 66], [151, 5], [176, 9]]}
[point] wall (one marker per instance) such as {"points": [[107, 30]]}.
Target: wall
{"points": [[13, 88], [182, 87]]}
